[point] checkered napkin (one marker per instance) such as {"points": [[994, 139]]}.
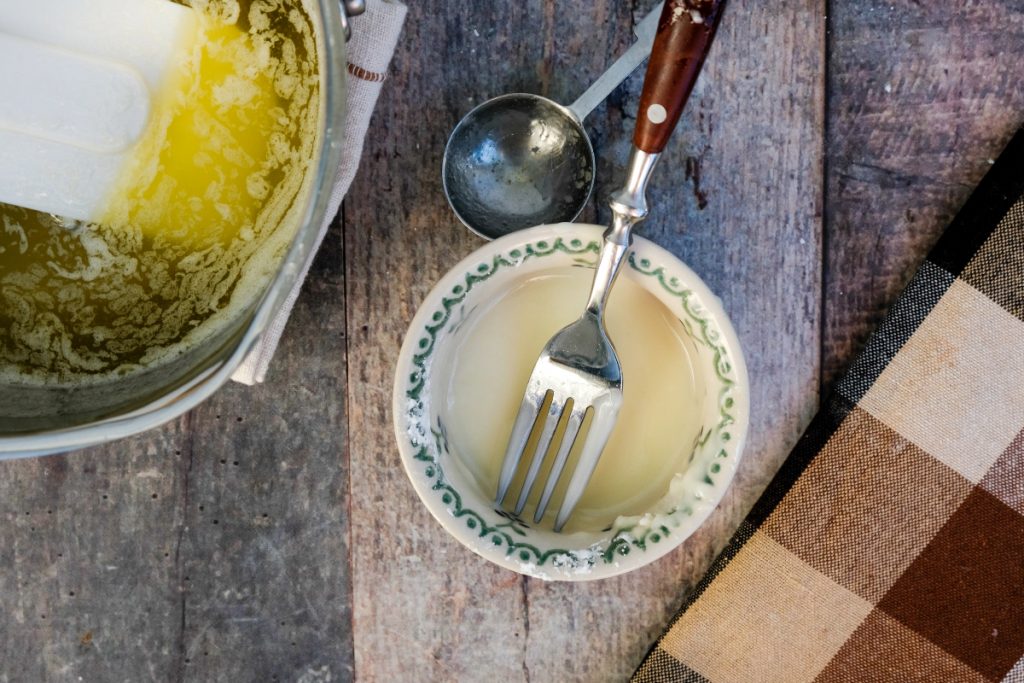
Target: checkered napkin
{"points": [[374, 37], [890, 546]]}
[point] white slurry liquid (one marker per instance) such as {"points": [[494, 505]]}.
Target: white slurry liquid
{"points": [[658, 425]]}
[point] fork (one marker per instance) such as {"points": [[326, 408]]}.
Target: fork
{"points": [[579, 370]]}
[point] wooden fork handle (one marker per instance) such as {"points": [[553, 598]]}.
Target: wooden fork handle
{"points": [[685, 32]]}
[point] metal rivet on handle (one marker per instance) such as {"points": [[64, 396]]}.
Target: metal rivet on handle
{"points": [[656, 113]]}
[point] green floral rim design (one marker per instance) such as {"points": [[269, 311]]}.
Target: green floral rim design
{"points": [[509, 534]]}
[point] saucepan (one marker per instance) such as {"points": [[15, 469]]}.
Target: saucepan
{"points": [[68, 410]]}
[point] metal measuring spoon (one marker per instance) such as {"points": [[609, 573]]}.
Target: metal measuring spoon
{"points": [[521, 160]]}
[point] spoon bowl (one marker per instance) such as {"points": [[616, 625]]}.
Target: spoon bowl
{"points": [[521, 160], [517, 161]]}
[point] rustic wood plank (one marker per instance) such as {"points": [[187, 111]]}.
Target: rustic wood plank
{"points": [[738, 197], [266, 592], [922, 96], [90, 578], [116, 570], [424, 608]]}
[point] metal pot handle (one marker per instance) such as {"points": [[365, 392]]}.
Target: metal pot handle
{"points": [[349, 9]]}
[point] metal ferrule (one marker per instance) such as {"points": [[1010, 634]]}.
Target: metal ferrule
{"points": [[629, 204], [629, 207]]}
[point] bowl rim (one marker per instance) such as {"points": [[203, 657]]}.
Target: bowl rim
{"points": [[445, 504]]}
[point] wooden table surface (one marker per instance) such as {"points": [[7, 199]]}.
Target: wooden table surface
{"points": [[271, 534]]}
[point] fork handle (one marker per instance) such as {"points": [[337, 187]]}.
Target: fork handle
{"points": [[685, 31], [629, 207]]}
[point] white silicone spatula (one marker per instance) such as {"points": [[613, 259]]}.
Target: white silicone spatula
{"points": [[77, 81]]}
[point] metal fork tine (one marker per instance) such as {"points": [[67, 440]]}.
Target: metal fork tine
{"points": [[521, 428], [572, 429], [600, 430], [551, 422]]}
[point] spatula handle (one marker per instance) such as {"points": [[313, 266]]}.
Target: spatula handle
{"points": [[685, 32]]}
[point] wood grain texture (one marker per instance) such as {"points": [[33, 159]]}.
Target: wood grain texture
{"points": [[922, 95], [755, 238], [90, 580], [425, 608], [214, 548], [151, 559], [265, 542]]}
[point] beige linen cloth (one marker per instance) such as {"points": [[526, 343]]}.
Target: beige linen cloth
{"points": [[374, 37]]}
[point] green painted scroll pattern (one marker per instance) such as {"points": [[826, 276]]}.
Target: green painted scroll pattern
{"points": [[509, 534]]}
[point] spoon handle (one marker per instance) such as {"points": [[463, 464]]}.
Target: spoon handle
{"points": [[685, 32], [623, 67]]}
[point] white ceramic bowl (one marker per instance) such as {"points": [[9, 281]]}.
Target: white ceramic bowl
{"points": [[459, 502]]}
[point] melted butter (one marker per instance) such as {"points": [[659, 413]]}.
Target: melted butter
{"points": [[198, 221], [200, 173], [657, 427]]}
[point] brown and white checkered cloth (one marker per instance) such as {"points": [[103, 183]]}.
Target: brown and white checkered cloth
{"points": [[890, 546]]}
